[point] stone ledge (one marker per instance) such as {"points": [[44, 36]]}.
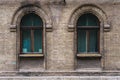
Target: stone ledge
{"points": [[31, 55], [89, 55], [72, 73], [62, 78]]}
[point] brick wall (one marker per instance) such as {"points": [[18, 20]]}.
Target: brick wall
{"points": [[60, 51]]}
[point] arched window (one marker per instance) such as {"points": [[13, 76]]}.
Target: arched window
{"points": [[31, 31], [88, 34]]}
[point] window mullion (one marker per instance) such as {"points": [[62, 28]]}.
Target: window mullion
{"points": [[32, 40], [87, 40]]}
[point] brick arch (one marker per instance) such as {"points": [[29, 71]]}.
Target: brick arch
{"points": [[20, 12], [15, 26], [88, 8], [104, 26]]}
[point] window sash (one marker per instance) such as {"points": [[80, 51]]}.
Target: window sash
{"points": [[38, 41], [90, 39], [32, 40], [93, 40], [82, 41], [26, 41]]}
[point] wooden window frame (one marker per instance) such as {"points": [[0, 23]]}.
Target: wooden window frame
{"points": [[87, 53], [32, 53]]}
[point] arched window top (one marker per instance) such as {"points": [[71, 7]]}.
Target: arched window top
{"points": [[88, 19], [31, 20]]}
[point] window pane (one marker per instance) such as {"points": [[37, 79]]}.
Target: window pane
{"points": [[93, 41], [26, 41], [81, 21], [38, 41], [31, 20], [81, 41], [37, 21], [27, 20], [88, 20], [91, 20]]}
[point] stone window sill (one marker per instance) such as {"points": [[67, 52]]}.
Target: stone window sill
{"points": [[31, 55], [89, 55]]}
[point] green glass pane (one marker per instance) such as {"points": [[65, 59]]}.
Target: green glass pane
{"points": [[91, 20], [81, 21], [81, 41], [31, 20], [93, 47], [37, 21], [38, 41], [27, 20], [26, 41], [88, 20]]}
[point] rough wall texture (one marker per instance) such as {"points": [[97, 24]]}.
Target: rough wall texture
{"points": [[63, 78], [60, 52]]}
